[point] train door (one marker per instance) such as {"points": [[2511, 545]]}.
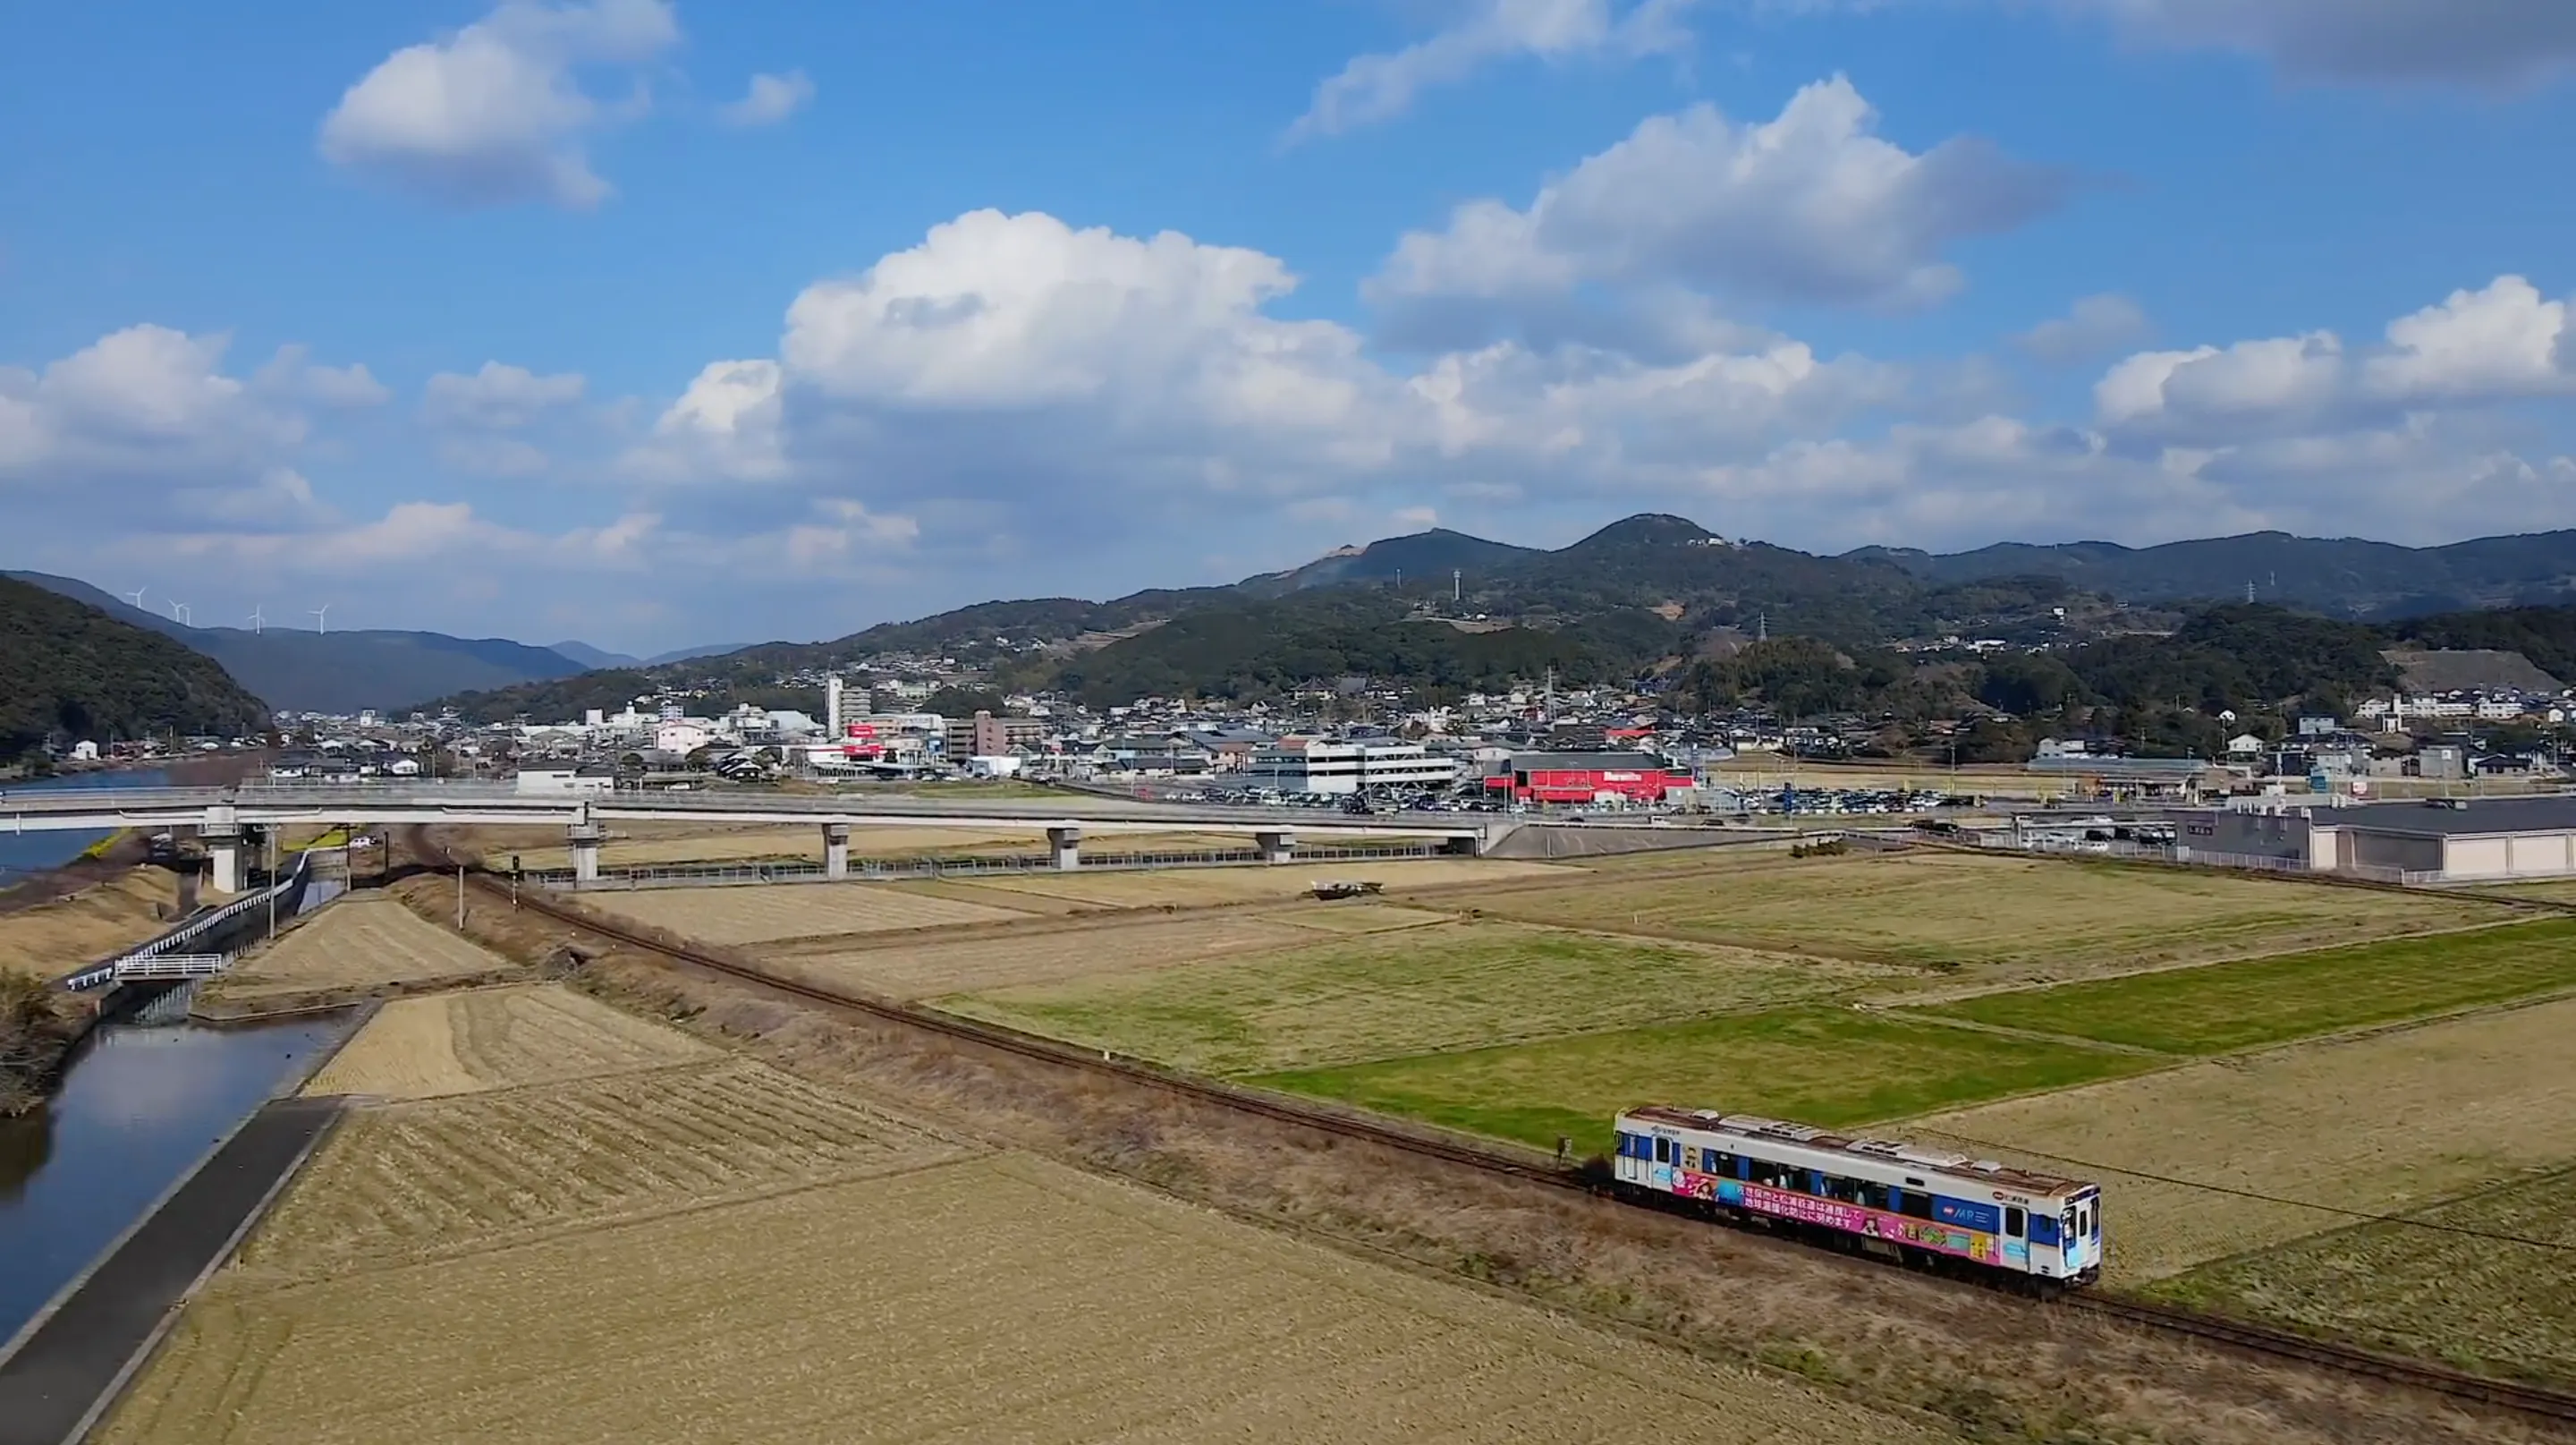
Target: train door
{"points": [[2016, 1239]]}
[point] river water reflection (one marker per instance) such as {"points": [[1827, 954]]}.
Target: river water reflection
{"points": [[138, 1108]]}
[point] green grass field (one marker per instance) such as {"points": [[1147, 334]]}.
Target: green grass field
{"points": [[1418, 991], [1816, 1065], [2499, 1305], [1997, 916], [2221, 1007]]}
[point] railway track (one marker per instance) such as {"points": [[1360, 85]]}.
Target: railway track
{"points": [[2532, 1400]]}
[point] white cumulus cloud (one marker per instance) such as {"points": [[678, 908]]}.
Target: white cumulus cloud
{"points": [[1810, 206], [497, 113], [2476, 348], [1377, 87], [769, 100]]}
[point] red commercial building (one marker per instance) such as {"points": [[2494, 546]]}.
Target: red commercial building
{"points": [[1586, 778]]}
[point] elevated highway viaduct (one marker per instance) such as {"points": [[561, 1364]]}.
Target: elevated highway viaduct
{"points": [[224, 817]]}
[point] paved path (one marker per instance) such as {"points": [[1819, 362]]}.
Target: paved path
{"points": [[49, 1383]]}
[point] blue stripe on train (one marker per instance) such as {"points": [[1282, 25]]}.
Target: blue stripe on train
{"points": [[1967, 1214]]}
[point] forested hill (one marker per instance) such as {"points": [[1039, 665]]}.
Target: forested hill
{"points": [[1647, 594], [70, 672], [2345, 576]]}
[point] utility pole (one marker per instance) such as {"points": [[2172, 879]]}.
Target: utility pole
{"points": [[1457, 584], [460, 898], [272, 884]]}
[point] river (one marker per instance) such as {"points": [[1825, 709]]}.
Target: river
{"points": [[138, 1107], [24, 853]]}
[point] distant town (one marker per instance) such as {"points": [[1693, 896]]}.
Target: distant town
{"points": [[1354, 744]]}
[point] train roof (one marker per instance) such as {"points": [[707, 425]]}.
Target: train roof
{"points": [[1895, 1151]]}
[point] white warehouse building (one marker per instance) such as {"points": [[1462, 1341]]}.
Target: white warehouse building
{"points": [[2439, 840], [1315, 765]]}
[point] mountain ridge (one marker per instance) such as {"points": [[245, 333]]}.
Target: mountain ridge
{"points": [[335, 672], [72, 672]]}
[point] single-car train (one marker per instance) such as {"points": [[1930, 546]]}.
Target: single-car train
{"points": [[1920, 1206]]}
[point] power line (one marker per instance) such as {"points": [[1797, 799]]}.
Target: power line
{"points": [[2370, 1216]]}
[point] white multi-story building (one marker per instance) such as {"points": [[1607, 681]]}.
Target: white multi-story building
{"points": [[1317, 765]]}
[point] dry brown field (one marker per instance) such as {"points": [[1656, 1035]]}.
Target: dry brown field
{"points": [[61, 935], [924, 968], [998, 1299], [356, 943], [758, 914], [2389, 1122], [2480, 1282], [465, 1173], [495, 1038], [1209, 887], [1999, 919], [1347, 917]]}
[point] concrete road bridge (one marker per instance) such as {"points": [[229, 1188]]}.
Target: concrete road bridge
{"points": [[224, 817]]}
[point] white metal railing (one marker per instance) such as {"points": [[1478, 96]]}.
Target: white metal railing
{"points": [[286, 891], [173, 965]]}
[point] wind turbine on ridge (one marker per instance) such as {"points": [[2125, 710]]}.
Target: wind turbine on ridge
{"points": [[136, 597], [179, 613], [321, 617], [256, 621]]}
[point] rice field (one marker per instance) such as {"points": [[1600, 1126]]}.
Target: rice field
{"points": [[356, 943], [1817, 1065], [2485, 1287], [496, 1038], [1445, 986], [1998, 918], [1344, 917], [1002, 1299], [2218, 1007], [925, 967], [2389, 1123], [802, 910], [436, 1177], [1208, 887]]}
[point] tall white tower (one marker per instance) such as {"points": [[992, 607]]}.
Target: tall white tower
{"points": [[832, 705]]}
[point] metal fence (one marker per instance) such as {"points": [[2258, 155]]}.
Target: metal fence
{"points": [[2200, 858], [286, 892], [720, 875]]}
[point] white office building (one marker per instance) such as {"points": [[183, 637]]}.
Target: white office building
{"points": [[1314, 765]]}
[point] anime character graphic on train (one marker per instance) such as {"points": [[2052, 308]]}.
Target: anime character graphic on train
{"points": [[1925, 1207]]}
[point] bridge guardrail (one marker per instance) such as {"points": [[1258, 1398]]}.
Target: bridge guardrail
{"points": [[868, 870]]}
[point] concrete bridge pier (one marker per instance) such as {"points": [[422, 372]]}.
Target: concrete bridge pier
{"points": [[1277, 845], [1064, 846], [586, 838], [224, 854], [836, 850]]}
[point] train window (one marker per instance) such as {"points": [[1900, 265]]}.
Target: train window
{"points": [[1663, 1151], [1723, 1164], [1914, 1204], [1874, 1196], [1846, 1190], [2012, 1222]]}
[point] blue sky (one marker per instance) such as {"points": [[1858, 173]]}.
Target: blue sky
{"points": [[654, 323]]}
